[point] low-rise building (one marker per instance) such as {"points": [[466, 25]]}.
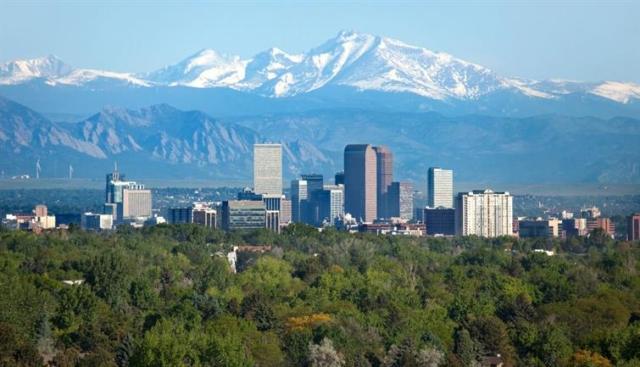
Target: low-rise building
{"points": [[440, 221], [606, 224], [96, 222], [243, 214], [539, 228]]}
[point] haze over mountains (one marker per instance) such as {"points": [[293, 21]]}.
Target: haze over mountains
{"points": [[199, 117]]}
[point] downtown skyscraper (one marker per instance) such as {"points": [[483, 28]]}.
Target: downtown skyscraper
{"points": [[267, 169], [440, 188], [384, 178], [360, 181]]}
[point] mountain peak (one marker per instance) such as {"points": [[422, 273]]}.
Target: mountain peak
{"points": [[19, 71]]}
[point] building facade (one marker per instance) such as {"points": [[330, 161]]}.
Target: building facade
{"points": [[539, 228], [606, 224], [179, 215], [400, 200], [299, 194], [204, 216], [331, 204], [384, 179], [267, 169], [96, 222], [243, 214], [484, 213], [360, 182], [440, 188], [135, 203], [440, 221]]}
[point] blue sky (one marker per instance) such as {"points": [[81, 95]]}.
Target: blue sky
{"points": [[582, 40]]}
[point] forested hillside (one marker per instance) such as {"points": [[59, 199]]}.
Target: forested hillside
{"points": [[166, 296]]}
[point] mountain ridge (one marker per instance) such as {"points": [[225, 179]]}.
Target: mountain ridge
{"points": [[161, 141], [356, 60]]}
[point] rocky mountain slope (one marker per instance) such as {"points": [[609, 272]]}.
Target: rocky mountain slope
{"points": [[161, 141]]}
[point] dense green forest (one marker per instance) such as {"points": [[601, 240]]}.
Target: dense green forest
{"points": [[166, 296]]}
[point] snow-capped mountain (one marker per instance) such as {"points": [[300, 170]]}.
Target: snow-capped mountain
{"points": [[359, 61], [20, 71], [204, 69]]}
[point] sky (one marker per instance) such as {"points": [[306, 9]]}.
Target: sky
{"points": [[577, 40]]}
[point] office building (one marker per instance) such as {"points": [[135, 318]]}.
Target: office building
{"points": [[440, 221], [44, 222], [384, 178], [573, 227], [633, 227], [180, 215], [40, 210], [299, 194], [311, 207], [338, 179], [205, 216], [96, 222], [331, 204], [272, 220], [272, 202], [66, 219], [243, 214], [267, 169], [606, 224], [135, 203], [285, 212], [400, 198], [484, 213], [360, 182], [114, 194], [440, 188], [547, 228]]}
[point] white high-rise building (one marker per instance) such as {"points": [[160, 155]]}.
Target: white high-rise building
{"points": [[484, 213], [299, 194], [267, 169], [440, 188]]}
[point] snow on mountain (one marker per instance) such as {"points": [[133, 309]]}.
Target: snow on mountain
{"points": [[20, 71], [357, 60], [619, 92], [86, 76], [391, 65], [204, 69], [267, 66]]}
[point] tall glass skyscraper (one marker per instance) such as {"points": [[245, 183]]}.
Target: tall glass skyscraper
{"points": [[440, 188], [384, 167], [267, 169], [360, 182]]}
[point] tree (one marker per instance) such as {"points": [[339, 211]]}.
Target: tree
{"points": [[324, 355], [108, 276], [167, 344], [467, 350], [585, 358]]}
